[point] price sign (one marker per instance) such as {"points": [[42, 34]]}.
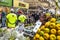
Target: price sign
{"points": [[38, 24], [22, 5]]}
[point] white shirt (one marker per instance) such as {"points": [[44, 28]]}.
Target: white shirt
{"points": [[52, 11], [58, 11], [59, 4]]}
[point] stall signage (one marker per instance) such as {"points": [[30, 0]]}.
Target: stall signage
{"points": [[20, 4], [6, 3]]}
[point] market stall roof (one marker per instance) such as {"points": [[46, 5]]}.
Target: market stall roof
{"points": [[20, 4]]}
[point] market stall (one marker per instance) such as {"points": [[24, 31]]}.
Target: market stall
{"points": [[46, 28]]}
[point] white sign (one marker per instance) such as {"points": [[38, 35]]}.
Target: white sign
{"points": [[38, 24]]}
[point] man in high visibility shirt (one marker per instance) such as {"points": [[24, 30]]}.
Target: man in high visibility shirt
{"points": [[11, 19], [22, 18]]}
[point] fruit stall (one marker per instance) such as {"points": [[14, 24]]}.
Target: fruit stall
{"points": [[49, 31], [46, 28]]}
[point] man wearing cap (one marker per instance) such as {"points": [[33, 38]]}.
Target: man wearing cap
{"points": [[11, 19]]}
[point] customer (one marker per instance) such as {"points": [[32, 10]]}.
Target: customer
{"points": [[42, 18], [3, 18], [0, 18], [29, 19], [35, 16], [19, 12]]}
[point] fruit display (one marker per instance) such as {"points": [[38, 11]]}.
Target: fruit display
{"points": [[53, 31], [52, 25], [47, 24], [46, 36], [49, 31], [58, 26], [52, 37], [41, 33], [53, 20], [58, 32], [46, 30], [58, 37], [41, 38]]}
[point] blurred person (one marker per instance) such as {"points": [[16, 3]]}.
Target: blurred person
{"points": [[11, 19], [22, 18], [19, 12], [42, 18], [48, 16], [35, 16], [0, 18], [52, 11], [58, 12], [3, 18], [29, 19]]}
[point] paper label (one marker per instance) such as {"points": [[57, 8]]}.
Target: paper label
{"points": [[38, 24]]}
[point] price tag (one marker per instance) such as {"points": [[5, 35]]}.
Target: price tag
{"points": [[38, 24]]}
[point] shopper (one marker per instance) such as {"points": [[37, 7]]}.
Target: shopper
{"points": [[11, 19], [18, 14], [3, 18], [0, 18], [29, 19], [48, 17], [35, 16], [42, 18]]}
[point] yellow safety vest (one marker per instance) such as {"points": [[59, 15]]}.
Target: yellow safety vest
{"points": [[11, 17], [22, 18]]}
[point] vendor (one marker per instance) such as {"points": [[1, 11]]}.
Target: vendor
{"points": [[22, 19], [11, 19]]}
